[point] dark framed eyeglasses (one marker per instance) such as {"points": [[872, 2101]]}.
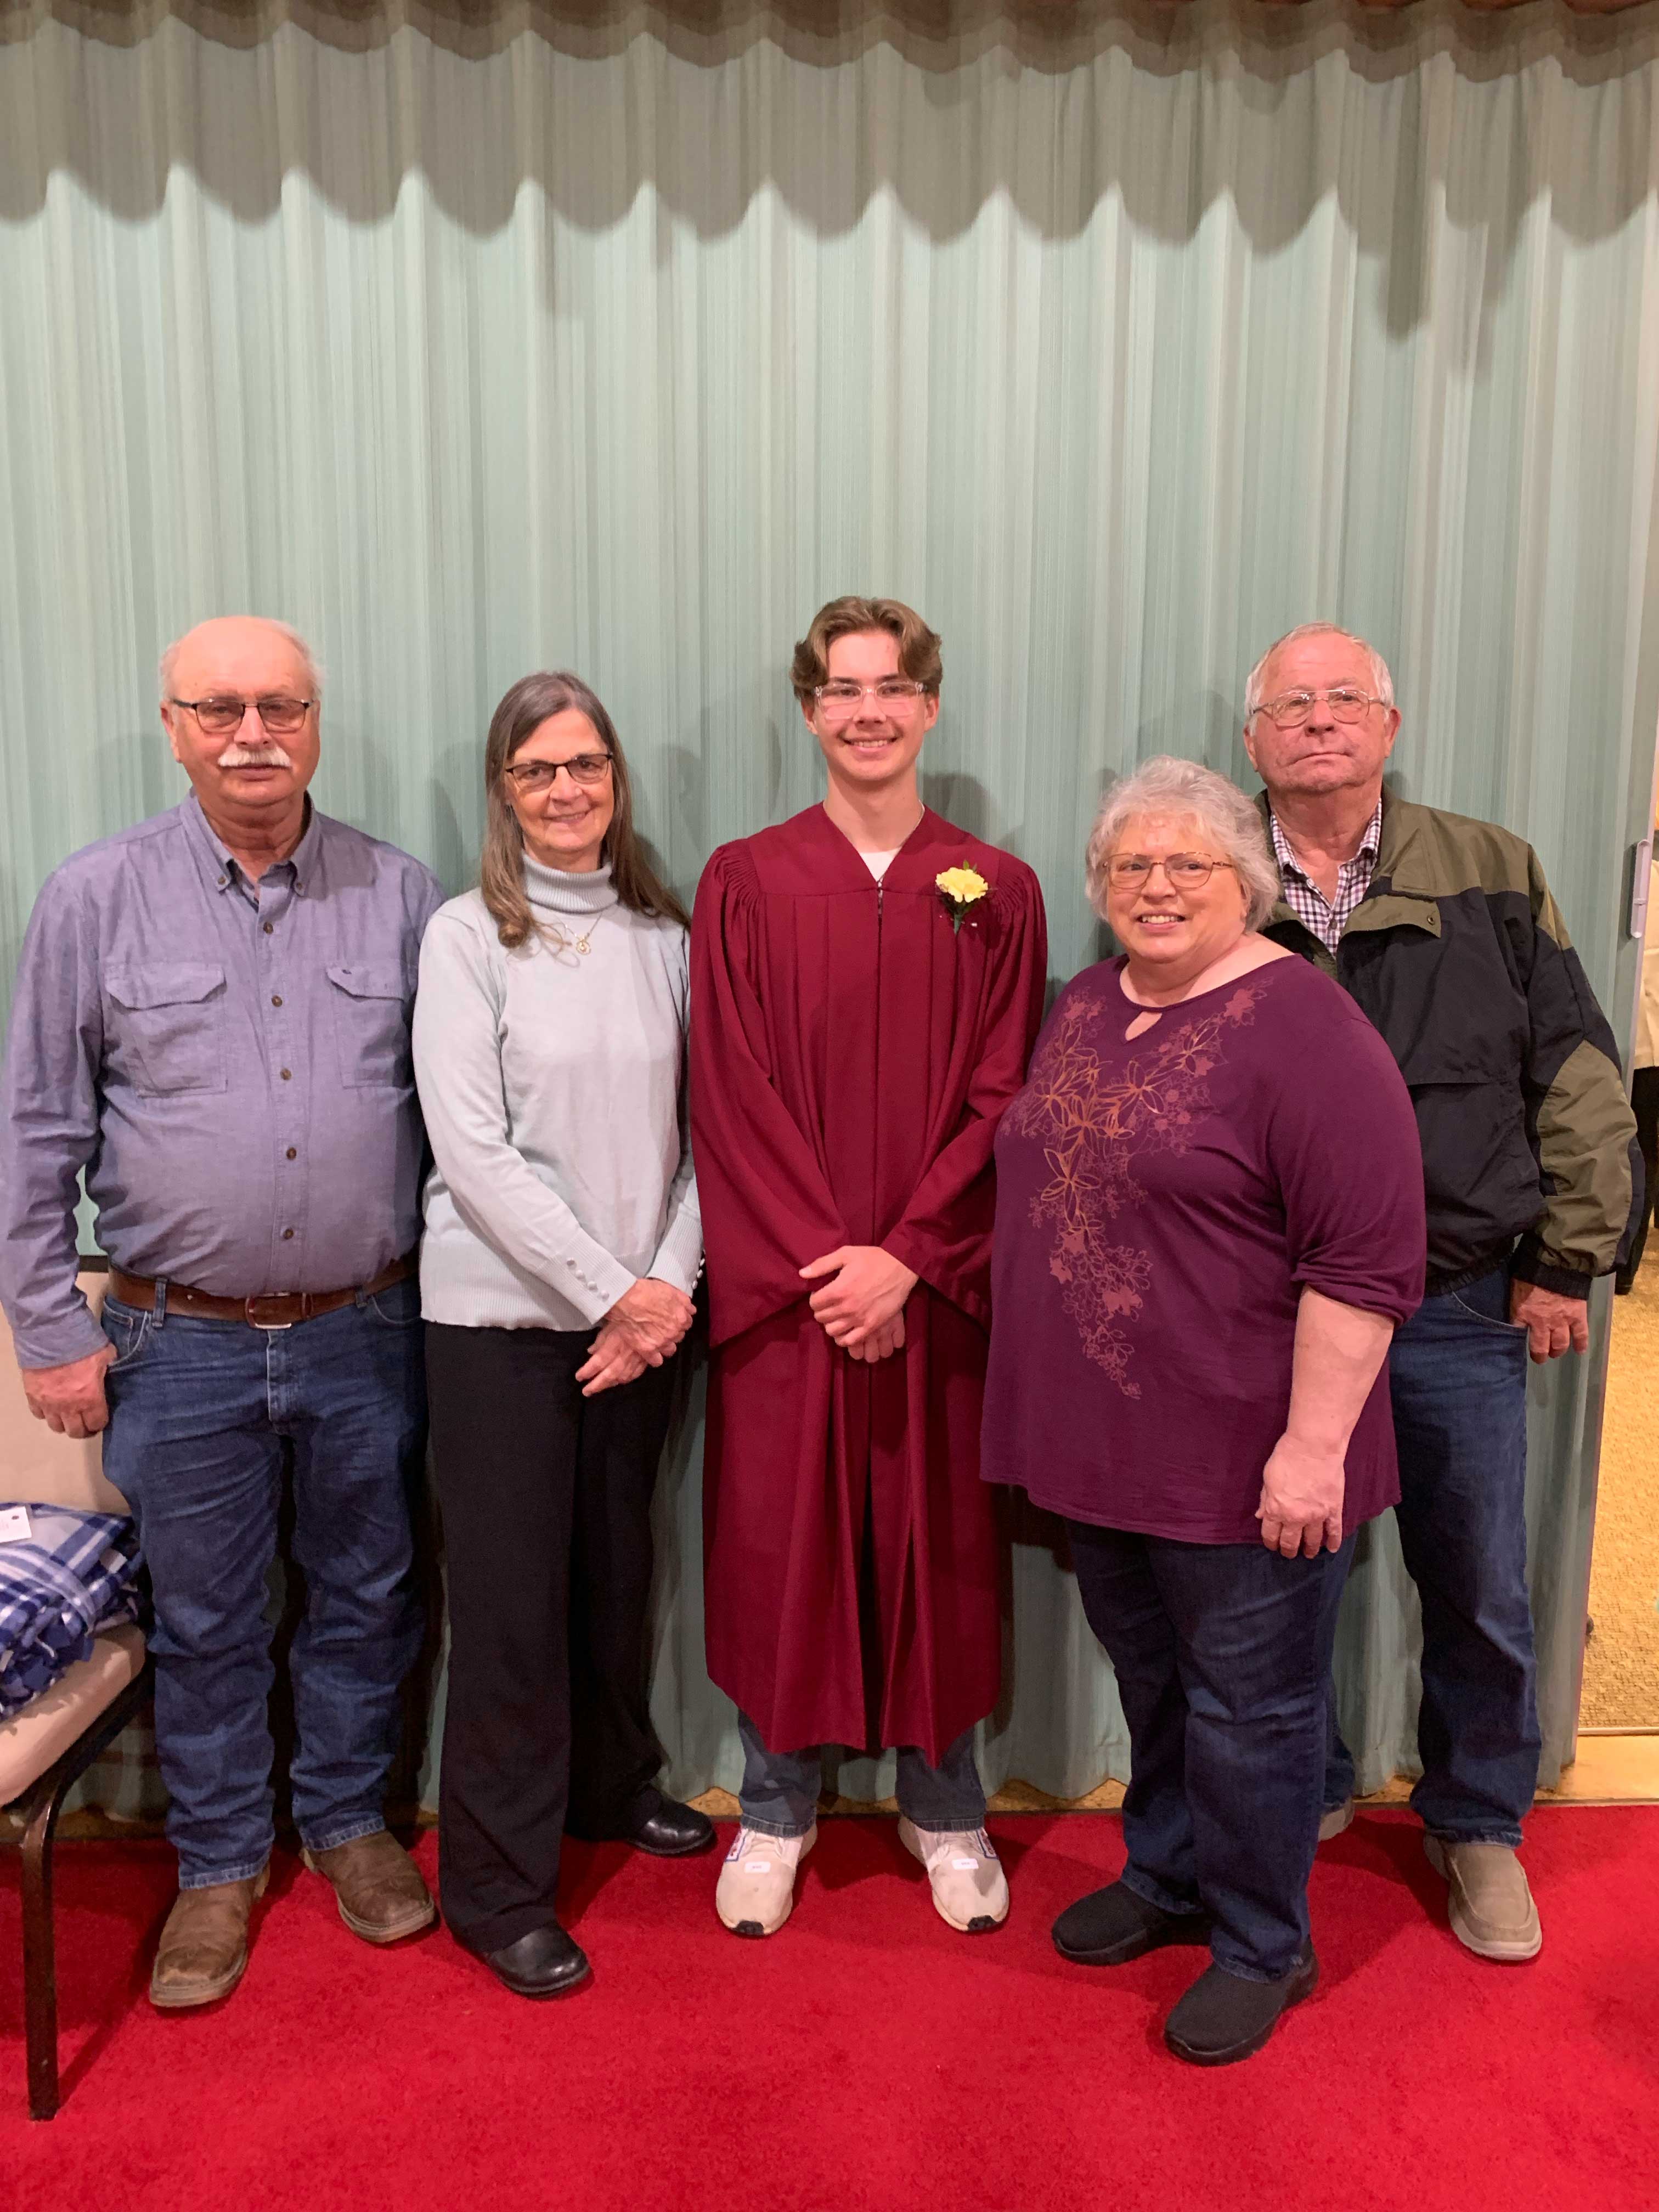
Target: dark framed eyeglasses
{"points": [[1183, 871], [533, 776], [222, 715], [1291, 708]]}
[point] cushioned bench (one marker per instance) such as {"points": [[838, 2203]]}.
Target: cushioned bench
{"points": [[50, 1742]]}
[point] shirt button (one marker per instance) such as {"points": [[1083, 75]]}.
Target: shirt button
{"points": [[291, 1154], [287, 1234], [267, 927], [288, 1075], [276, 997]]}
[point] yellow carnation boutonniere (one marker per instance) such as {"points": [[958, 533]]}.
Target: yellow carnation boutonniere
{"points": [[962, 888]]}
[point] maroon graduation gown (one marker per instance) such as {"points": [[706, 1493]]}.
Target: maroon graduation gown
{"points": [[851, 1057]]}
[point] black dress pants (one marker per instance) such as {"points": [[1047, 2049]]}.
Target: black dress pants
{"points": [[546, 1499]]}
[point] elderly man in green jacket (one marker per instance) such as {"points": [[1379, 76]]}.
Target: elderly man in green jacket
{"points": [[1443, 930]]}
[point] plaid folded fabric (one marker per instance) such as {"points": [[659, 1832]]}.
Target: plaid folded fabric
{"points": [[73, 1574]]}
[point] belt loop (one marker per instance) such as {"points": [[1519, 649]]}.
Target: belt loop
{"points": [[160, 1314]]}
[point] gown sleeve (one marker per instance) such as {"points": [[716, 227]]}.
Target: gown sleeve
{"points": [[945, 1233], [767, 1209]]}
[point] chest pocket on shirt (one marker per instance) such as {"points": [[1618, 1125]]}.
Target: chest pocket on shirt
{"points": [[169, 1035], [371, 1022]]}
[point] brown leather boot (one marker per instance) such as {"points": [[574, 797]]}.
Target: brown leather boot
{"points": [[382, 1897], [203, 1947]]}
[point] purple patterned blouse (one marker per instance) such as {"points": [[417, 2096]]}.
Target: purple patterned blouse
{"points": [[1162, 1202]]}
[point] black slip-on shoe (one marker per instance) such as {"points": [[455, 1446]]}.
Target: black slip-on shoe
{"points": [[667, 1829], [653, 1823], [546, 1963], [1224, 2018], [1113, 1925]]}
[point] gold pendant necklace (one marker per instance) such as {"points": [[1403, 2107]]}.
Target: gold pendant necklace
{"points": [[582, 943]]}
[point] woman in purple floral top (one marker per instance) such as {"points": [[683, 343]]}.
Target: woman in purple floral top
{"points": [[1209, 1224]]}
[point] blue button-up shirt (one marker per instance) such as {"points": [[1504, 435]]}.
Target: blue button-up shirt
{"points": [[228, 1061]]}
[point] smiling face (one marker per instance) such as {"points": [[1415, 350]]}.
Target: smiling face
{"points": [[876, 744], [1320, 754], [1172, 935], [563, 824], [246, 773]]}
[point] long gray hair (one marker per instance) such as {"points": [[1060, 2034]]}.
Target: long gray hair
{"points": [[1184, 789], [522, 711]]}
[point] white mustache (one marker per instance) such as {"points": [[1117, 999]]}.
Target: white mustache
{"points": [[266, 756]]}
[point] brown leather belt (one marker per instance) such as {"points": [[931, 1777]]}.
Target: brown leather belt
{"points": [[279, 1309]]}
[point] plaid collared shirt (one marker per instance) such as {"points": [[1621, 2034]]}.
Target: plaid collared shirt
{"points": [[1326, 918], [73, 1574]]}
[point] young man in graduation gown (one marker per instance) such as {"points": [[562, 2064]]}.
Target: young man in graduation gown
{"points": [[867, 983]]}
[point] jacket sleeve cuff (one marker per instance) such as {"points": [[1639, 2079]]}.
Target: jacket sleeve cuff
{"points": [[1532, 1263]]}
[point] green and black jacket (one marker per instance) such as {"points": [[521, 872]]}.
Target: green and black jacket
{"points": [[1459, 956]]}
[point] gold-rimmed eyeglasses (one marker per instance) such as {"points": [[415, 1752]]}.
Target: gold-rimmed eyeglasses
{"points": [[1183, 871], [1291, 708]]}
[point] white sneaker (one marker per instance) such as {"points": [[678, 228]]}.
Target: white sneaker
{"points": [[969, 1887], [756, 1892]]}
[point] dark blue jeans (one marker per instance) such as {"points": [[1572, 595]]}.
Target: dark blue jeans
{"points": [[1458, 1378], [203, 1415], [1222, 1653], [779, 1796]]}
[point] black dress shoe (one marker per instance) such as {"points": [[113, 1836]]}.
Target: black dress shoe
{"points": [[546, 1963], [1113, 1925], [1223, 2017], [665, 1828]]}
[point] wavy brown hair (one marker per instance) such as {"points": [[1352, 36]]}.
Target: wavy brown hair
{"points": [[521, 713], [917, 646]]}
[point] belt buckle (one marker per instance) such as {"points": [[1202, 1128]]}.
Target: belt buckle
{"points": [[270, 1328]]}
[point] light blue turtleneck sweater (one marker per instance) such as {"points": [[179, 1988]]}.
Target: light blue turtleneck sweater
{"points": [[552, 1082]]}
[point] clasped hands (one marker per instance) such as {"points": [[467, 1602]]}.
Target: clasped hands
{"points": [[642, 1329], [861, 1306]]}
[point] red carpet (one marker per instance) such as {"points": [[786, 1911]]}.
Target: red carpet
{"points": [[865, 2057]]}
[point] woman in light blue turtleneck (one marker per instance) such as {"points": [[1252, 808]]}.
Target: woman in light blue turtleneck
{"points": [[561, 1247]]}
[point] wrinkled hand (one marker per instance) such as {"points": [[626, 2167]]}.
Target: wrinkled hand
{"points": [[1302, 1492], [643, 1329], [862, 1300], [70, 1400], [1554, 1324]]}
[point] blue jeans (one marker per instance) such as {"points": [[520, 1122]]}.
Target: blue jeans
{"points": [[780, 1791], [1222, 1653], [1458, 1378], [204, 1415]]}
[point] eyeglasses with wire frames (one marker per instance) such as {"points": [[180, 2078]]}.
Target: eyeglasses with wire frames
{"points": [[1291, 708], [841, 698], [533, 777], [223, 715], [1182, 871]]}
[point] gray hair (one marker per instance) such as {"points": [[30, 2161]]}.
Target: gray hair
{"points": [[1231, 823], [313, 666], [1382, 682]]}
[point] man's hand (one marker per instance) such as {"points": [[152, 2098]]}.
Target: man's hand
{"points": [[865, 1296], [1302, 1492], [70, 1400], [642, 1329], [881, 1343], [1554, 1324]]}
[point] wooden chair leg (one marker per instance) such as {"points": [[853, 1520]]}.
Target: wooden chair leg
{"points": [[40, 1958]]}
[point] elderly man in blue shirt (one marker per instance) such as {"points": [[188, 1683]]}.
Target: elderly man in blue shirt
{"points": [[211, 1020]]}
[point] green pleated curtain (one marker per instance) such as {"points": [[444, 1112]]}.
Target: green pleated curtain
{"points": [[1118, 341]]}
